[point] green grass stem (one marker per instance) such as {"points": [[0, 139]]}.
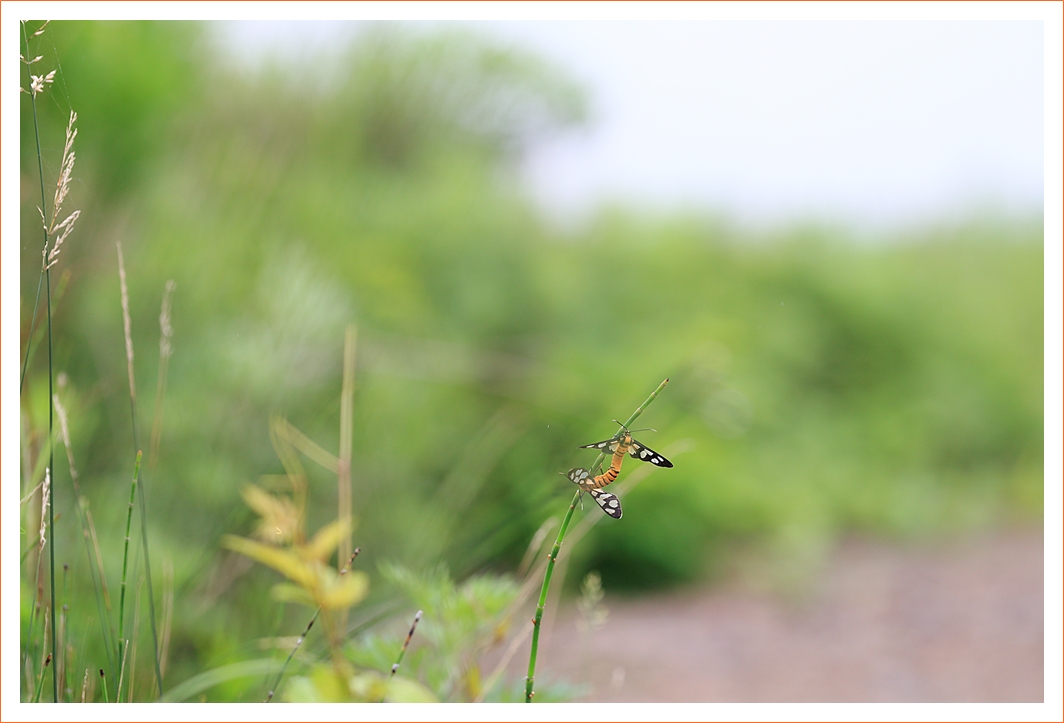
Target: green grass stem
{"points": [[40, 681], [538, 619], [48, 306], [96, 574], [140, 481], [122, 642], [406, 644]]}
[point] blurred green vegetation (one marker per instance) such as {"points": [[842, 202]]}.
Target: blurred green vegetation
{"points": [[820, 386]]}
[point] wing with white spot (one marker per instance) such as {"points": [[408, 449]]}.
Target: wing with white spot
{"points": [[608, 502], [581, 477], [608, 445], [646, 454]]}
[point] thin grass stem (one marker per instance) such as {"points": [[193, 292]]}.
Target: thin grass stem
{"points": [[136, 445], [51, 466], [132, 643], [103, 683], [99, 557], [538, 619], [46, 265], [88, 533], [36, 612], [121, 675], [166, 332], [51, 422], [122, 641], [40, 681], [343, 481], [530, 678], [61, 661]]}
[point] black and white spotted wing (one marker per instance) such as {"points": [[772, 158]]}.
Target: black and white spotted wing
{"points": [[582, 478], [646, 454], [608, 445], [638, 450], [608, 502]]}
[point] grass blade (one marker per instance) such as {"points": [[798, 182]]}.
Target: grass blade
{"points": [[166, 332], [122, 641], [343, 481], [88, 533], [140, 482]]}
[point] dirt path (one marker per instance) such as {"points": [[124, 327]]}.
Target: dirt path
{"points": [[955, 623]]}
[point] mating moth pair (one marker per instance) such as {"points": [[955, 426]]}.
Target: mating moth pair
{"points": [[619, 444]]}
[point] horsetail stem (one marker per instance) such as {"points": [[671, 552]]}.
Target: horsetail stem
{"points": [[529, 680], [406, 644]]}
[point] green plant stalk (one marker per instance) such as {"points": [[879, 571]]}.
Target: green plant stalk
{"points": [[51, 455], [103, 682], [97, 583], [61, 663], [122, 642], [40, 175], [143, 503], [151, 595], [40, 681], [38, 608], [299, 641], [46, 276], [406, 644], [51, 497], [530, 678]]}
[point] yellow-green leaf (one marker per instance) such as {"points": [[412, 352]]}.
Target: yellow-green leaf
{"points": [[285, 562], [345, 591], [325, 541]]}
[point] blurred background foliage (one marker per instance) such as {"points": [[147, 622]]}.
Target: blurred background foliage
{"points": [[820, 385]]}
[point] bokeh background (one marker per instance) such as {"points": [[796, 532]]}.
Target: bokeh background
{"points": [[838, 373]]}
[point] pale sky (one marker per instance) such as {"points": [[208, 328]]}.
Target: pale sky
{"points": [[865, 121]]}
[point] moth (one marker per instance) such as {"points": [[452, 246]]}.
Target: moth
{"points": [[606, 500], [622, 443]]}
